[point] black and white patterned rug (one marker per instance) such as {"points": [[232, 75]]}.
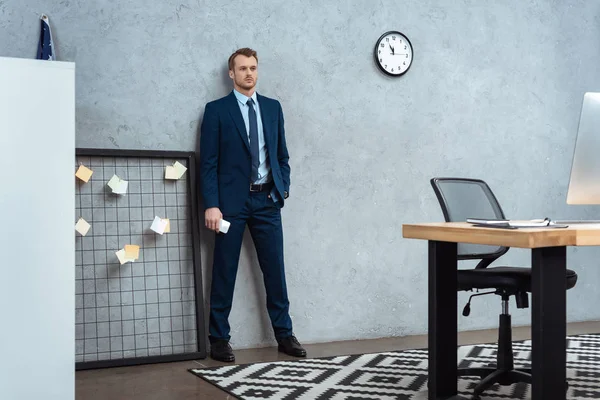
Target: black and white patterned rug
{"points": [[396, 375]]}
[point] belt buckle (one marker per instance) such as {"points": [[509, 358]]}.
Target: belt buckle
{"points": [[258, 190]]}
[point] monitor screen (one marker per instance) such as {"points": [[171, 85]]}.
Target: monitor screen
{"points": [[584, 184]]}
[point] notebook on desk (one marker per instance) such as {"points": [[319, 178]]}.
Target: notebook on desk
{"points": [[516, 224]]}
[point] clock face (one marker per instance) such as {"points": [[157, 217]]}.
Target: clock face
{"points": [[393, 53]]}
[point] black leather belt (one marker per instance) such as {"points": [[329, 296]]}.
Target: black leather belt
{"points": [[261, 187]]}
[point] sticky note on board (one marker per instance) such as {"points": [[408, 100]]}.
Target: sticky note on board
{"points": [[84, 173], [122, 257], [180, 169], [82, 226], [121, 187], [175, 171], [118, 185], [132, 251], [159, 225], [170, 172]]}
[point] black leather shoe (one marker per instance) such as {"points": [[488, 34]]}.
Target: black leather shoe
{"points": [[220, 350], [290, 346]]}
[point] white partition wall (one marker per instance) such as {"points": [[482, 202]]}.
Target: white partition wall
{"points": [[37, 245]]}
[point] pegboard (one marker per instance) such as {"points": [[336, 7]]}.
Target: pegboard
{"points": [[149, 310]]}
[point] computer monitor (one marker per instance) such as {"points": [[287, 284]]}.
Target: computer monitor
{"points": [[584, 184]]}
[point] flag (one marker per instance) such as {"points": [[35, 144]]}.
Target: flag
{"points": [[46, 45]]}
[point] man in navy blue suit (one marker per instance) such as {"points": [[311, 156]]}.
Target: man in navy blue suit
{"points": [[245, 179]]}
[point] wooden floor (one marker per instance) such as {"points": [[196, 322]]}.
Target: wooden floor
{"points": [[171, 381]]}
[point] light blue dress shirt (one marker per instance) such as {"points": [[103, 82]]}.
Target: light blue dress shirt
{"points": [[264, 168]]}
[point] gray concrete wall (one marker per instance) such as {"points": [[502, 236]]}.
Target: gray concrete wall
{"points": [[494, 92]]}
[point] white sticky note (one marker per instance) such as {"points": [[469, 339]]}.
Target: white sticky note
{"points": [[113, 182], [84, 173], [224, 226], [122, 187], [170, 172], [118, 185], [82, 226], [175, 171], [158, 225], [179, 168], [121, 256]]}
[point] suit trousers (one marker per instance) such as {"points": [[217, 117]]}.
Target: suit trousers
{"points": [[263, 218]]}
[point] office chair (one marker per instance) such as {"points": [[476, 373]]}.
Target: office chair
{"points": [[460, 199]]}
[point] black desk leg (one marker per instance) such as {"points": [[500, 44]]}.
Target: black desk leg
{"points": [[442, 336], [549, 325]]}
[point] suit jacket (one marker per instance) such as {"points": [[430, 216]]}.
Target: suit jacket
{"points": [[225, 161]]}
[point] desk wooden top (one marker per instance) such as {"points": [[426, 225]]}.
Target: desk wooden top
{"points": [[463, 232]]}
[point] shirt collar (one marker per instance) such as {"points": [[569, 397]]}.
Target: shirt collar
{"points": [[242, 98]]}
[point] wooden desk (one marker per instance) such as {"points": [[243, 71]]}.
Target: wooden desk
{"points": [[548, 298]]}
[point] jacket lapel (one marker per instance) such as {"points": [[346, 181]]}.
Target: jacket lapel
{"points": [[236, 115]]}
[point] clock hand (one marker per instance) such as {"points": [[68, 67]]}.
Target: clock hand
{"points": [[392, 49]]}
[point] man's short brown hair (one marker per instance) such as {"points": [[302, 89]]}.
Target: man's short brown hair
{"points": [[243, 52]]}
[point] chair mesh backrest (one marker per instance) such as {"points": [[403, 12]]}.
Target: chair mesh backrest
{"points": [[468, 198]]}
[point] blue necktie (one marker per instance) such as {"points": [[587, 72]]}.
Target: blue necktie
{"points": [[253, 140]]}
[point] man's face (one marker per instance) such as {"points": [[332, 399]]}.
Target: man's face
{"points": [[244, 73]]}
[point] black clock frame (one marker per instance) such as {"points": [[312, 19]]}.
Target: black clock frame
{"points": [[376, 57]]}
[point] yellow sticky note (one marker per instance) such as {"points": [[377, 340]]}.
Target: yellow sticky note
{"points": [[132, 251], [167, 226], [84, 173], [82, 226]]}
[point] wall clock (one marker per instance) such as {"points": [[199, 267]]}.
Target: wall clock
{"points": [[393, 53]]}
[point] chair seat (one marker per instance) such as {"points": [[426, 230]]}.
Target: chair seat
{"points": [[508, 278]]}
